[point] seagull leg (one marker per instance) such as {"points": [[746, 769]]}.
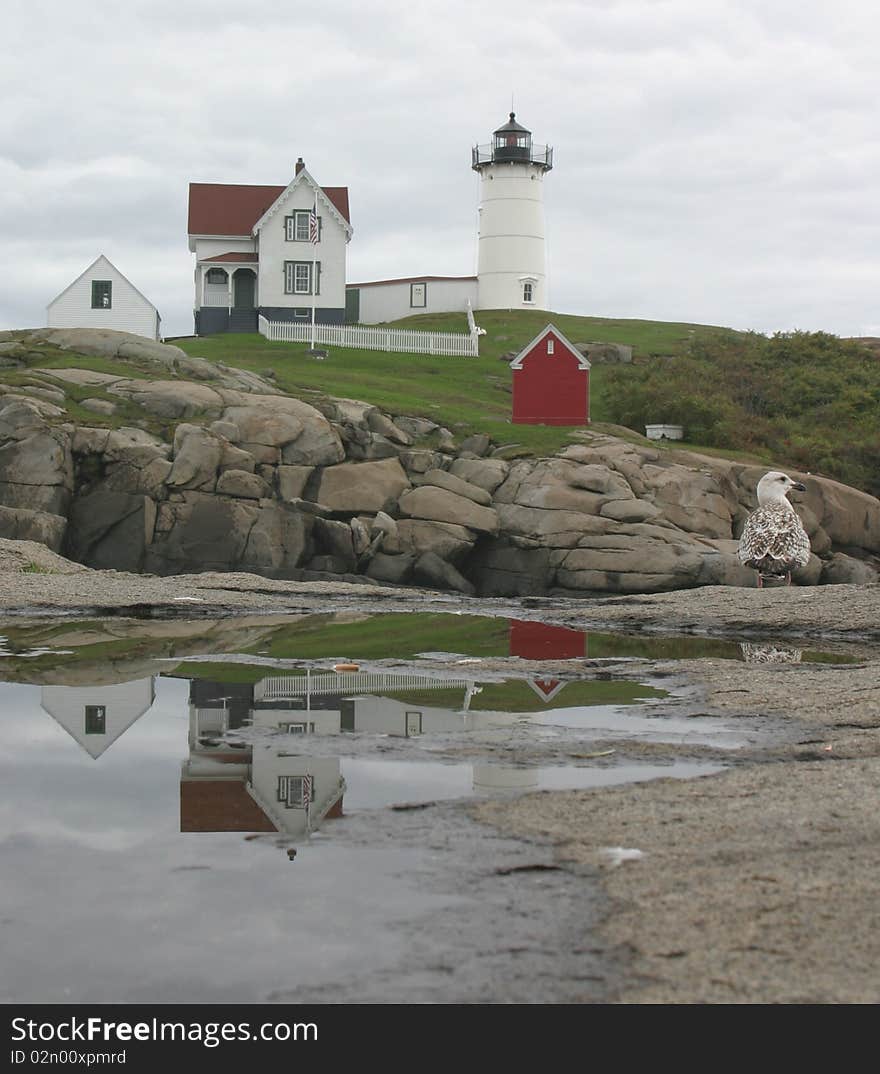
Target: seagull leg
{"points": [[760, 582], [788, 578]]}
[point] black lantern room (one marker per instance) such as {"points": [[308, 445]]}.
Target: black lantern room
{"points": [[512, 143]]}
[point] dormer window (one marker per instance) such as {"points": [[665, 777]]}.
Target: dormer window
{"points": [[296, 226]]}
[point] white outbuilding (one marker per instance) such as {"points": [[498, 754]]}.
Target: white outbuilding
{"points": [[101, 297]]}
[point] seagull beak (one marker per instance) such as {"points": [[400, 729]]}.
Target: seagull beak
{"points": [[800, 488]]}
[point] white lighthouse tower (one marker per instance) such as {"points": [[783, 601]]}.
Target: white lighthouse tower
{"points": [[511, 263]]}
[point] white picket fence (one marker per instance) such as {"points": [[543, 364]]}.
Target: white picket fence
{"points": [[374, 338]]}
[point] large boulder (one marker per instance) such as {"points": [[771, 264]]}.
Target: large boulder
{"points": [[450, 542], [440, 505], [110, 530], [174, 399], [22, 524], [361, 486], [197, 456]]}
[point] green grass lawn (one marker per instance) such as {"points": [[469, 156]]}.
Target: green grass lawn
{"points": [[464, 394]]}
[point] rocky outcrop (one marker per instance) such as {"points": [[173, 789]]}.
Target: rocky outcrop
{"points": [[228, 474]]}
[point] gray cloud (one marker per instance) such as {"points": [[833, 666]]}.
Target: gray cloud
{"points": [[716, 159]]}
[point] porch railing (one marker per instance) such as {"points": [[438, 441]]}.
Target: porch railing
{"points": [[217, 299]]}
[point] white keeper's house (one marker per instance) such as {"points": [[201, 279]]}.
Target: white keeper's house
{"points": [[255, 254], [101, 297]]}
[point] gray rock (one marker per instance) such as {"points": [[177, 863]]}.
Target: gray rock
{"points": [[335, 539], [629, 510], [478, 444], [146, 480], [442, 479], [361, 486], [243, 484], [21, 524], [419, 461], [487, 474], [19, 418], [500, 570], [360, 537], [292, 481], [263, 425], [99, 406], [234, 458], [394, 569], [841, 569], [416, 428], [110, 530], [450, 542], [278, 540], [430, 569], [225, 430], [380, 423], [197, 456], [440, 505], [41, 458], [387, 526], [204, 532], [173, 399]]}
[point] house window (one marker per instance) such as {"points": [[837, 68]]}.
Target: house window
{"points": [[296, 792], [528, 291], [215, 275], [298, 278], [96, 720], [102, 291], [418, 295], [296, 226], [302, 312], [549, 346]]}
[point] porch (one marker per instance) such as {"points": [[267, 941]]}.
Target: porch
{"points": [[226, 294]]}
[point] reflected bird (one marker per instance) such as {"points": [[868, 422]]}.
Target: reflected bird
{"points": [[769, 654]]}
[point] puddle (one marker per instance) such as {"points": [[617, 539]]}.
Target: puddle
{"points": [[164, 770]]}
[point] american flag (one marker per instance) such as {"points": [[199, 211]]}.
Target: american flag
{"points": [[313, 224], [307, 791]]}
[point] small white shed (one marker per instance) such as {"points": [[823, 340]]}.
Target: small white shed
{"points": [[103, 298]]}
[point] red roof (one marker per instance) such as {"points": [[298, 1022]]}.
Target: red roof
{"points": [[413, 279], [233, 256], [229, 209]]}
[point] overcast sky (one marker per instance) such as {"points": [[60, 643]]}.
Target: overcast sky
{"points": [[716, 161]]}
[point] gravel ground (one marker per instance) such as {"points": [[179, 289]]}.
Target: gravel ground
{"points": [[756, 885]]}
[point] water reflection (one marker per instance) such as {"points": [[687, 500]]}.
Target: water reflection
{"points": [[96, 716]]}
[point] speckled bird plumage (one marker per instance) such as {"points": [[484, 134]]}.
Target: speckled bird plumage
{"points": [[774, 542]]}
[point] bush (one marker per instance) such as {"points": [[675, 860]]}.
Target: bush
{"points": [[811, 400]]}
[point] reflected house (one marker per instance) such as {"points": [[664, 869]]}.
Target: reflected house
{"points": [[333, 702], [260, 785], [543, 641], [96, 716]]}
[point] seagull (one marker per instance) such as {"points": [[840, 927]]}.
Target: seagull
{"points": [[774, 541]]}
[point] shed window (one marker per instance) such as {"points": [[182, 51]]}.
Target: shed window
{"points": [[549, 346], [96, 720], [102, 291]]}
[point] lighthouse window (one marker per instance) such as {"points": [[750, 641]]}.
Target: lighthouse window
{"points": [[528, 294]]}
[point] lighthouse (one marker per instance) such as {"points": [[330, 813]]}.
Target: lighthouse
{"points": [[511, 263]]}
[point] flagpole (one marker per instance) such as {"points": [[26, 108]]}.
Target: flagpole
{"points": [[313, 237]]}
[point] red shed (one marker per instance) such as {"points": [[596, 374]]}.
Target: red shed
{"points": [[551, 382]]}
